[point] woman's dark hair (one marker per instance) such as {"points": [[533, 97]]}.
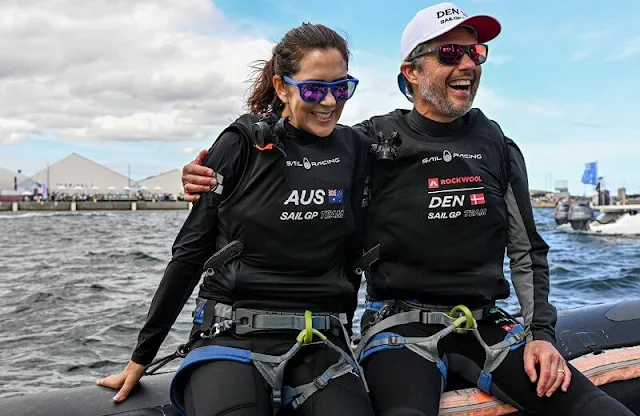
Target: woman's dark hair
{"points": [[287, 55]]}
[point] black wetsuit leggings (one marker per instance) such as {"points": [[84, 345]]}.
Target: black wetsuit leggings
{"points": [[232, 388], [403, 383]]}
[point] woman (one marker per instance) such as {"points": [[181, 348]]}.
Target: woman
{"points": [[280, 217]]}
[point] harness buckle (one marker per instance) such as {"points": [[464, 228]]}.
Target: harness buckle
{"points": [[276, 397], [216, 329], [320, 382], [424, 317], [394, 341], [244, 320]]}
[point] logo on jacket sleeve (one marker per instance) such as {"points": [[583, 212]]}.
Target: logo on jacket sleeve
{"points": [[335, 196]]}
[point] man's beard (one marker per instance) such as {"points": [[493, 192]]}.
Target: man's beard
{"points": [[437, 95]]}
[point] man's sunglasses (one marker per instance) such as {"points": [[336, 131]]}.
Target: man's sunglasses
{"points": [[315, 91], [452, 54]]}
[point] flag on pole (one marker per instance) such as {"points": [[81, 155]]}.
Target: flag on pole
{"points": [[590, 174]]}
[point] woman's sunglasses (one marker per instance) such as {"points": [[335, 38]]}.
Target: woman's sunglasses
{"points": [[452, 54], [315, 91]]}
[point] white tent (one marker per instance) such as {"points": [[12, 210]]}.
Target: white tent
{"points": [[78, 170], [168, 182]]}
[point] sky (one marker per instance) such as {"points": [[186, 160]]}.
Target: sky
{"points": [[148, 83]]}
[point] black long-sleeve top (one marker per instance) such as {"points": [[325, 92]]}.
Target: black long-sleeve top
{"points": [[296, 215]]}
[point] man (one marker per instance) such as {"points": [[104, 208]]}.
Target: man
{"points": [[448, 194]]}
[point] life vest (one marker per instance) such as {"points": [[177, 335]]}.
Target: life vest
{"points": [[439, 214], [291, 209]]}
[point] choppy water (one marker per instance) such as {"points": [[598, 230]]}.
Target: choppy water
{"points": [[75, 288]]}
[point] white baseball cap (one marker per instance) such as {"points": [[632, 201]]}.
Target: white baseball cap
{"points": [[436, 20]]}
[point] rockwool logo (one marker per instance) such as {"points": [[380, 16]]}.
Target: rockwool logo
{"points": [[435, 183], [460, 179]]}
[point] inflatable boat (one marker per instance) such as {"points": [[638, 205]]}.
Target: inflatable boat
{"points": [[602, 341], [609, 220]]}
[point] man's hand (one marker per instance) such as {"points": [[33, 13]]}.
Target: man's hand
{"points": [[554, 371], [197, 178], [123, 382]]}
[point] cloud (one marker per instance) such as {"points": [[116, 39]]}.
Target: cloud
{"points": [[630, 48], [188, 150], [377, 92], [104, 70], [580, 54], [601, 42], [13, 130], [565, 159], [498, 60], [594, 35]]}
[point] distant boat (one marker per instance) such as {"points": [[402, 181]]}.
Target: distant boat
{"points": [[562, 213], [611, 220]]}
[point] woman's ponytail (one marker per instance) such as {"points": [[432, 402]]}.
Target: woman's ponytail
{"points": [[263, 97]]}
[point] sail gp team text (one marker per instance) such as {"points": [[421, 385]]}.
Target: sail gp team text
{"points": [[444, 215], [327, 214], [308, 197]]}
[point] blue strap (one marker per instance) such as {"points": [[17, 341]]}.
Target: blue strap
{"points": [[198, 316], [200, 355], [287, 395], [374, 305], [484, 382], [382, 335], [518, 329], [442, 366]]}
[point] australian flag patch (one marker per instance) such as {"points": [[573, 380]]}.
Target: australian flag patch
{"points": [[335, 196]]}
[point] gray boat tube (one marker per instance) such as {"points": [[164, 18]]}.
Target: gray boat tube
{"points": [[580, 331]]}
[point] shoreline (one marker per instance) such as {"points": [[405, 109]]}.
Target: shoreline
{"points": [[126, 205], [122, 205]]}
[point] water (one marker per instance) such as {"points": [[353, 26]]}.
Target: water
{"points": [[75, 288]]}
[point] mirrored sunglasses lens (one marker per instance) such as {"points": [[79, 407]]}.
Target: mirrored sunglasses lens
{"points": [[312, 93], [344, 90], [478, 53], [450, 54]]}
